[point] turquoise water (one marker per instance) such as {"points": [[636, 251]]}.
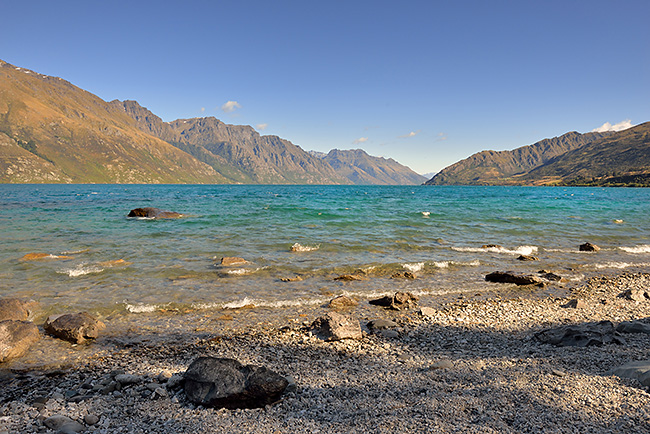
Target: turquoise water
{"points": [[437, 232]]}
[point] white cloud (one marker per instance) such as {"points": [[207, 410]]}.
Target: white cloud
{"points": [[202, 109], [411, 134], [360, 140], [261, 127], [230, 106], [622, 125]]}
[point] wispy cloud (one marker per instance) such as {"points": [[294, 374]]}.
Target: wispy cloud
{"points": [[622, 125], [441, 137], [360, 140], [411, 134], [261, 127], [230, 106], [202, 109]]}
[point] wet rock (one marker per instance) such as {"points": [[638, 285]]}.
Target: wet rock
{"points": [[342, 302], [16, 337], [639, 370], [397, 301], [636, 294], [403, 275], [491, 246], [153, 213], [588, 247], [575, 304], [291, 279], [74, 327], [550, 276], [348, 278], [226, 383], [381, 324], [16, 309], [582, 335], [38, 256], [527, 258], [510, 277], [633, 327], [334, 327], [229, 261], [63, 424]]}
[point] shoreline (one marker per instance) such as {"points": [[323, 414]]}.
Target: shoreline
{"points": [[471, 365]]}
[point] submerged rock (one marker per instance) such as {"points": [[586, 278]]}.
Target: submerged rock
{"points": [[74, 327], [582, 335], [510, 277], [154, 213], [403, 275], [527, 258], [220, 382], [397, 301], [334, 326], [16, 309], [16, 337], [348, 278], [37, 256], [229, 261], [588, 247]]}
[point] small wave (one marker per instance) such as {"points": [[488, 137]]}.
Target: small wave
{"points": [[618, 221], [637, 249], [618, 265], [82, 270], [242, 271], [442, 264], [426, 213], [414, 268], [140, 308], [521, 250], [297, 247], [447, 264]]}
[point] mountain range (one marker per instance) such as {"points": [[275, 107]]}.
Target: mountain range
{"points": [[54, 132], [607, 159]]}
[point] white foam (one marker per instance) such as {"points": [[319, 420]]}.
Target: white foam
{"points": [[242, 271], [426, 213], [619, 265], [140, 308], [414, 268], [520, 250], [637, 249], [442, 264], [82, 270], [446, 264], [240, 303], [297, 247]]}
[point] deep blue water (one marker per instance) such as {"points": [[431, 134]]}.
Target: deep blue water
{"points": [[437, 232]]}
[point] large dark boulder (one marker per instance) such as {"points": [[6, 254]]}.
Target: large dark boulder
{"points": [[397, 301], [510, 277], [74, 327], [226, 383], [581, 335], [154, 213], [16, 337], [588, 247]]}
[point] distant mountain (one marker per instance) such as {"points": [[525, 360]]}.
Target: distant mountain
{"points": [[52, 131], [360, 168], [238, 152], [621, 158], [506, 167]]}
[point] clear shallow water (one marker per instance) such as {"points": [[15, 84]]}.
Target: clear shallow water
{"points": [[437, 232]]}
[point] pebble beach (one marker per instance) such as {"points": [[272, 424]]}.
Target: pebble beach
{"points": [[469, 363]]}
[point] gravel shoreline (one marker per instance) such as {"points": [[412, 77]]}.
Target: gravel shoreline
{"points": [[472, 366]]}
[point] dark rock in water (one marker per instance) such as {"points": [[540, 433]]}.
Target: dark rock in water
{"points": [[636, 294], [334, 327], [74, 327], [291, 279], [510, 277], [633, 327], [226, 383], [588, 247], [398, 301], [582, 335], [381, 324], [154, 213], [527, 258], [16, 337], [403, 275], [550, 276], [636, 370], [342, 302], [16, 309], [491, 246], [229, 261]]}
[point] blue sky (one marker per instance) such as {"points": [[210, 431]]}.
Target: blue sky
{"points": [[424, 82]]}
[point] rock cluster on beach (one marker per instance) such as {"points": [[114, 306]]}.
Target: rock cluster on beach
{"points": [[463, 365]]}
